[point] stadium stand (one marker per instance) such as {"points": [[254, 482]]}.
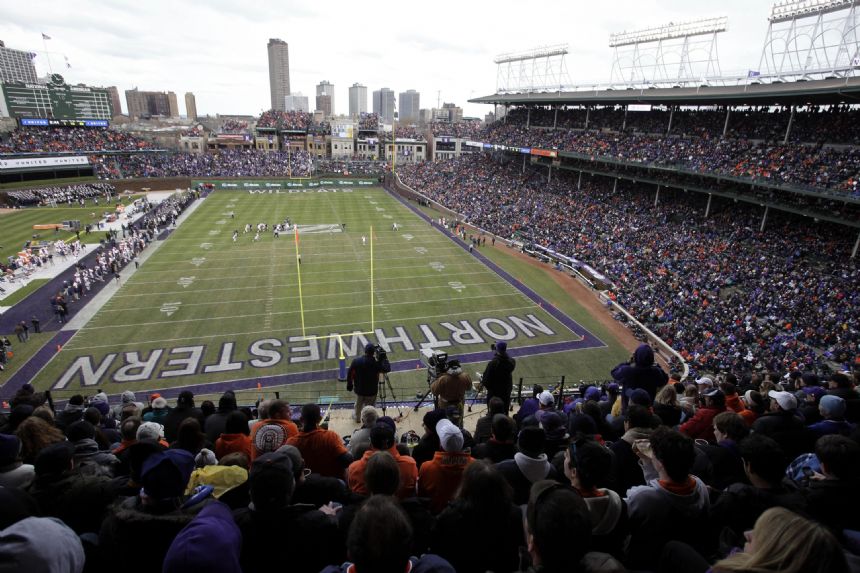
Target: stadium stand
{"points": [[45, 140]]}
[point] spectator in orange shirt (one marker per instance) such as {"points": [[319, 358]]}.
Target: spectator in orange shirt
{"points": [[322, 450], [235, 437], [273, 432], [382, 440], [439, 478]]}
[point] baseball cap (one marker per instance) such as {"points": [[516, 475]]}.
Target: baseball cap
{"points": [[705, 381], [816, 391], [593, 393], [545, 398], [714, 392], [786, 400], [450, 436]]}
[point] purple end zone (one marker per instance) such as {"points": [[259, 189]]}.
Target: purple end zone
{"points": [[588, 340]]}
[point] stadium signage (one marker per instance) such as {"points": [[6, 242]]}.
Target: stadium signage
{"points": [[544, 152], [292, 184], [292, 351], [30, 162]]}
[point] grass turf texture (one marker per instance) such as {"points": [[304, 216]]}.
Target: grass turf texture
{"points": [[47, 182], [16, 227], [200, 293]]}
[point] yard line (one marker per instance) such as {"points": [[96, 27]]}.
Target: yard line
{"points": [[257, 287], [297, 329], [284, 312]]}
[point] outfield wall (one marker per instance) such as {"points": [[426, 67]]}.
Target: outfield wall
{"points": [[264, 184]]}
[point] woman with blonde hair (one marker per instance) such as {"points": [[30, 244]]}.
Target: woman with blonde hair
{"points": [[667, 406], [783, 541]]}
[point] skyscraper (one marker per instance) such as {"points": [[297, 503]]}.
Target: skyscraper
{"points": [[357, 100], [296, 102], [409, 106], [172, 104], [383, 104], [190, 106], [324, 105], [16, 65], [279, 72], [324, 88], [115, 102]]}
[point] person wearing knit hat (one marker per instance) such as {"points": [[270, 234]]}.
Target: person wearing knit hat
{"points": [[498, 376], [832, 409], [159, 411], [439, 478], [40, 545], [13, 472]]}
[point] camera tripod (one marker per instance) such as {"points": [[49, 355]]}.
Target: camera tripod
{"points": [[384, 388]]}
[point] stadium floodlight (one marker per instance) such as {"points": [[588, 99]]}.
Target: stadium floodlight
{"points": [[669, 31], [791, 9], [541, 52]]}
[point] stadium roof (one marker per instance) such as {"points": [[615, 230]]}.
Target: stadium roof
{"points": [[831, 91]]}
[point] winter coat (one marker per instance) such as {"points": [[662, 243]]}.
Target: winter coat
{"points": [[90, 460], [498, 377], [643, 373], [523, 471], [701, 425], [740, 505], [609, 522], [81, 501], [626, 470], [175, 417]]}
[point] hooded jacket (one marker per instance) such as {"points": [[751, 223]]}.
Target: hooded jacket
{"points": [[89, 460], [643, 373], [498, 377], [41, 544], [233, 443], [609, 525], [626, 469]]}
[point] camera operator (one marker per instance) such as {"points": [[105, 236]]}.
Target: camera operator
{"points": [[498, 377], [640, 371], [364, 375], [450, 388]]}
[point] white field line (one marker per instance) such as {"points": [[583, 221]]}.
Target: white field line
{"points": [[287, 312], [326, 327], [257, 287]]}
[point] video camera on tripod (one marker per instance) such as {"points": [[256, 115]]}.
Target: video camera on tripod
{"points": [[436, 363]]}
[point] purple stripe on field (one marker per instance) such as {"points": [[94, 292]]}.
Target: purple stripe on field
{"points": [[38, 361]]}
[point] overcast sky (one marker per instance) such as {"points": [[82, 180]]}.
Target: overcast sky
{"points": [[217, 48]]}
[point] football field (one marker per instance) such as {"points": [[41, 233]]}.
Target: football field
{"points": [[209, 313]]}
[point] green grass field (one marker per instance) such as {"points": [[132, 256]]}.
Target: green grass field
{"points": [[16, 227], [209, 313]]}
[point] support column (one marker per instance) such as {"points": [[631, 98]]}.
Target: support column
{"points": [[579, 186], [856, 246], [624, 124], [555, 119], [764, 219], [615, 185], [657, 196], [528, 118], [549, 174], [788, 127], [708, 208], [726, 124], [525, 157], [671, 115], [587, 115]]}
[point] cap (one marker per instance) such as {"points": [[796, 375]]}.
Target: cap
{"points": [[369, 347], [150, 431], [165, 474], [786, 400], [714, 392], [704, 381], [501, 346], [832, 406], [450, 436], [159, 403], [816, 391], [641, 397], [545, 398], [593, 393]]}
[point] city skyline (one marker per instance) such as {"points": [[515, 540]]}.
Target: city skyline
{"points": [[131, 44]]}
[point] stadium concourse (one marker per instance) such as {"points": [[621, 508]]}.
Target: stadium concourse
{"points": [[646, 473]]}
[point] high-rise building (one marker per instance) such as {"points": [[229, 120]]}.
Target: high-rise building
{"points": [[324, 104], [115, 102], [16, 65], [172, 104], [409, 106], [296, 102], [324, 88], [357, 100], [148, 104], [279, 72], [190, 106], [383, 104]]}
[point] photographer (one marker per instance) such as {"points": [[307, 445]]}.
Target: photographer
{"points": [[498, 376], [450, 388], [640, 372], [364, 375]]}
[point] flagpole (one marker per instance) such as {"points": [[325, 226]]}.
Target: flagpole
{"points": [[47, 54]]}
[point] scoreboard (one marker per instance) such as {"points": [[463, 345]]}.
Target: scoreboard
{"points": [[56, 100]]}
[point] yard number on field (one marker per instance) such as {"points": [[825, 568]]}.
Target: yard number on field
{"points": [[456, 285], [169, 308], [437, 266], [185, 282], [197, 261]]}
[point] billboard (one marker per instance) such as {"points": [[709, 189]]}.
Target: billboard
{"points": [[41, 162]]}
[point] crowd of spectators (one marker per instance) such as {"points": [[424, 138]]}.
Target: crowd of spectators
{"points": [[65, 194], [723, 294], [234, 126], [404, 132], [63, 139], [289, 120], [223, 163], [368, 121], [467, 129], [726, 475], [350, 167]]}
